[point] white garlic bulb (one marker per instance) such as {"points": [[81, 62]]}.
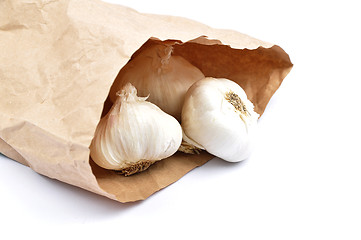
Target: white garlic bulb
{"points": [[218, 117], [156, 73], [134, 134]]}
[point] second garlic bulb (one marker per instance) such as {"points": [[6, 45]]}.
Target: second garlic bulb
{"points": [[218, 117], [134, 134], [159, 74]]}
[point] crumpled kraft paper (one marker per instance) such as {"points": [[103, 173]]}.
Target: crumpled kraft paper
{"points": [[58, 60]]}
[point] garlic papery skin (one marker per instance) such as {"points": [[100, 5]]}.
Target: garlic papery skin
{"points": [[156, 73], [218, 116], [134, 134]]}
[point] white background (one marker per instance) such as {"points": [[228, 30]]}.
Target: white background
{"points": [[303, 180]]}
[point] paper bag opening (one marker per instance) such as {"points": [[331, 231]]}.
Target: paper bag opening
{"points": [[258, 71]]}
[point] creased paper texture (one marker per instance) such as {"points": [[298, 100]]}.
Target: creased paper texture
{"points": [[58, 60]]}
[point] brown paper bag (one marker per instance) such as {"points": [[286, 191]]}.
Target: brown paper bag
{"points": [[58, 60]]}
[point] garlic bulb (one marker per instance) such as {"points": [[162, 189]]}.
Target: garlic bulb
{"points": [[156, 73], [134, 134], [218, 117]]}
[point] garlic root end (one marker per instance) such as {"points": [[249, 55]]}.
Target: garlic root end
{"points": [[189, 148], [137, 167]]}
